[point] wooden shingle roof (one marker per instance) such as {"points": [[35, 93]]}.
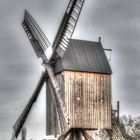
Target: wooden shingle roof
{"points": [[85, 56]]}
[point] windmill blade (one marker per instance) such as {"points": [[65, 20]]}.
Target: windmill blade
{"points": [[40, 53], [36, 36], [60, 117], [21, 120], [62, 112], [66, 28]]}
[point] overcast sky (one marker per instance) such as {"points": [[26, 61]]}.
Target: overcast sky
{"points": [[116, 21]]}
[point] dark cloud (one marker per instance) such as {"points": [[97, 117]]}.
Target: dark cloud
{"points": [[117, 22]]}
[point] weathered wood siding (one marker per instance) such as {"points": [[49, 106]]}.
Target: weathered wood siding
{"points": [[51, 114], [52, 120], [87, 98]]}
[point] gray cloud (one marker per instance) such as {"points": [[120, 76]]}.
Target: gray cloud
{"points": [[116, 21]]}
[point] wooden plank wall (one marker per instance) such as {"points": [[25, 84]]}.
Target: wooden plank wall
{"points": [[88, 99]]}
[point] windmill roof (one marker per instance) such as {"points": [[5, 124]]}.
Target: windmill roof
{"points": [[85, 56]]}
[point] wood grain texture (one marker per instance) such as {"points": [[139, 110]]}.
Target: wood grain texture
{"points": [[87, 97]]}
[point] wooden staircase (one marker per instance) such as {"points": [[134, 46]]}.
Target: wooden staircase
{"points": [[116, 132]]}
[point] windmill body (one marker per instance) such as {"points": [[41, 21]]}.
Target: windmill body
{"points": [[84, 76]]}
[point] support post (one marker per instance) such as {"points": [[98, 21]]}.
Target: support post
{"points": [[118, 111]]}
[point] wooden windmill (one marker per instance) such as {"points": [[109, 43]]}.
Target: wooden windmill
{"points": [[78, 79]]}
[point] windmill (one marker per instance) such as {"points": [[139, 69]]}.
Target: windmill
{"points": [[78, 77]]}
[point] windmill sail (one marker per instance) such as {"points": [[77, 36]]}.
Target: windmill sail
{"points": [[40, 43], [19, 123], [36, 36], [35, 40], [62, 112], [66, 28], [59, 113]]}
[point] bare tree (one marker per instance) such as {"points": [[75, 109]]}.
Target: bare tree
{"points": [[131, 125]]}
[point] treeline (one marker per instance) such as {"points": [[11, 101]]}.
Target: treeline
{"points": [[131, 126]]}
